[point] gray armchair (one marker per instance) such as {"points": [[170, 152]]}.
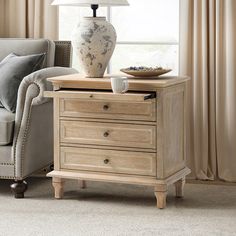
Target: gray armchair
{"points": [[26, 137]]}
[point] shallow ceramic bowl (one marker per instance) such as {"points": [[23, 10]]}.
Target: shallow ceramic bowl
{"points": [[143, 73]]}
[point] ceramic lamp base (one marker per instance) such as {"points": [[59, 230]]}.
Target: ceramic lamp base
{"points": [[94, 41]]}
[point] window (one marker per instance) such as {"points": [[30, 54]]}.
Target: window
{"points": [[147, 32]]}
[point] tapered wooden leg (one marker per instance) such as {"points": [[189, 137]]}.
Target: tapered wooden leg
{"points": [[179, 188], [58, 185], [82, 184], [160, 192]]}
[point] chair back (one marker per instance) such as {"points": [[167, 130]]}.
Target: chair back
{"points": [[28, 46], [63, 53]]}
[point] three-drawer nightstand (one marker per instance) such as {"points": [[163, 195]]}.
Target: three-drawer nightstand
{"points": [[132, 138]]}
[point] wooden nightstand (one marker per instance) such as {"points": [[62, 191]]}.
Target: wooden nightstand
{"points": [[133, 138]]}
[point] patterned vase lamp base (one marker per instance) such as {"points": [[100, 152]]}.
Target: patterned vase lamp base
{"points": [[94, 38], [94, 41]]}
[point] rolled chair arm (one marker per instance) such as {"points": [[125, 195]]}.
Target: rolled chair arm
{"points": [[38, 82], [33, 120]]}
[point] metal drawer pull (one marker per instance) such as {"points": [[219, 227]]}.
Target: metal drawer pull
{"points": [[106, 134], [105, 107], [106, 161], [150, 96]]}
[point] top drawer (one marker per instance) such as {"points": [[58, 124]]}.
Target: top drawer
{"points": [[129, 106]]}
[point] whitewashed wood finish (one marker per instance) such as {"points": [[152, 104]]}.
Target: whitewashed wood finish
{"points": [[99, 95], [91, 104], [58, 184], [160, 192], [161, 199], [135, 122], [135, 84], [179, 188], [105, 109], [157, 136], [82, 184], [131, 149], [174, 122], [97, 133], [126, 162], [119, 178]]}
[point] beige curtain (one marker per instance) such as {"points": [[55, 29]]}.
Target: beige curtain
{"points": [[208, 55], [28, 19]]}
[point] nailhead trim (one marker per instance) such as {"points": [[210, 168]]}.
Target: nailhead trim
{"points": [[25, 133], [7, 177], [7, 164]]}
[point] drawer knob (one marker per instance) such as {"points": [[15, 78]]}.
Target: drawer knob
{"points": [[106, 161], [105, 107], [106, 134]]}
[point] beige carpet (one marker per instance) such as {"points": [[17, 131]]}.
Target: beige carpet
{"points": [[112, 209]]}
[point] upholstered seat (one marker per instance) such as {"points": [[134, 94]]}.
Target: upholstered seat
{"points": [[7, 120]]}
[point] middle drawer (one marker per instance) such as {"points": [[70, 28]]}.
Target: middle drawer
{"points": [[109, 134]]}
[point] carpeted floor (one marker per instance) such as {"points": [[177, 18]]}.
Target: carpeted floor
{"points": [[114, 209]]}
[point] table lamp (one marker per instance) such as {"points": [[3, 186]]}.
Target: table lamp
{"points": [[94, 38]]}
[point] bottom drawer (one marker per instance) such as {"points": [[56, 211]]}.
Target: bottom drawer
{"points": [[124, 162]]}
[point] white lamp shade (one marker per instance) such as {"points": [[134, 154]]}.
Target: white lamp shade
{"points": [[85, 3]]}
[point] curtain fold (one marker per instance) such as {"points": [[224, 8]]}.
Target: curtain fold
{"points": [[28, 19], [207, 55]]}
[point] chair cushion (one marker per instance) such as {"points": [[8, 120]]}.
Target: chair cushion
{"points": [[7, 121], [13, 69]]}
